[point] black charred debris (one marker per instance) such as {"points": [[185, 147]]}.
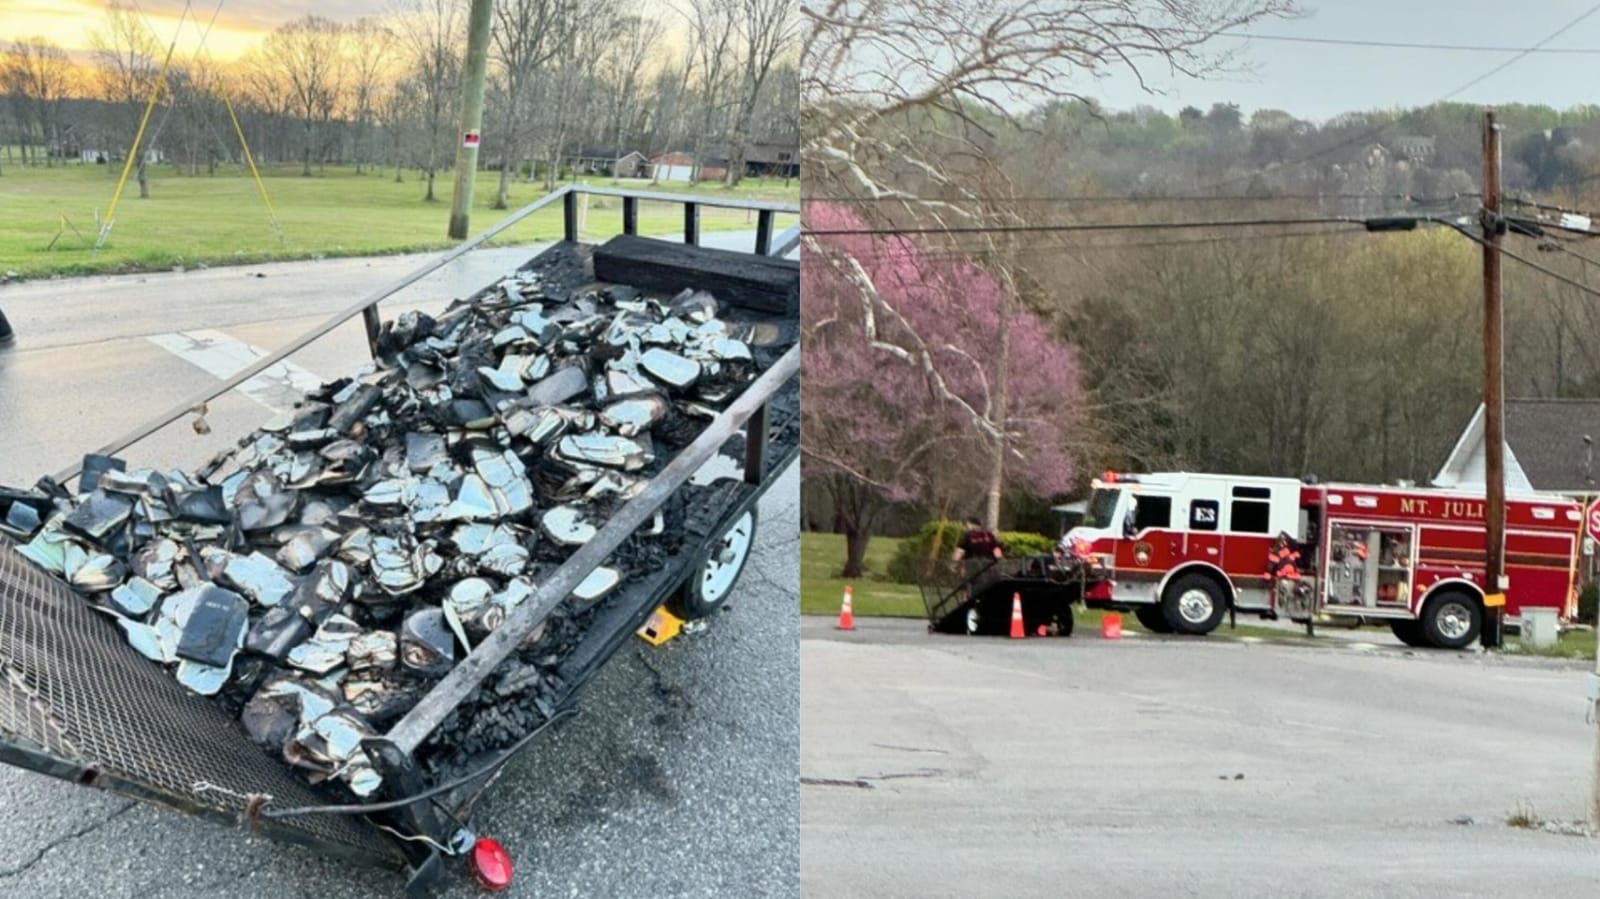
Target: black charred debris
{"points": [[319, 578]]}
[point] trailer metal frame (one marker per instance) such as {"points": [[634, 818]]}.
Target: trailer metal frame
{"points": [[768, 450]]}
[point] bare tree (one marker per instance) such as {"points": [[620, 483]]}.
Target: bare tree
{"points": [[432, 35], [38, 77], [713, 35], [622, 68], [568, 91], [370, 48], [900, 99], [527, 35], [767, 31], [305, 55], [128, 62]]}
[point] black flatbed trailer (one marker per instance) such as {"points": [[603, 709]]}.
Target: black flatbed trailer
{"points": [[976, 596], [77, 703]]}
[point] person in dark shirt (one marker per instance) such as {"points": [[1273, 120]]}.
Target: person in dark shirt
{"points": [[978, 543]]}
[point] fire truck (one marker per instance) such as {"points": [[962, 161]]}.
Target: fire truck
{"points": [[1180, 550]]}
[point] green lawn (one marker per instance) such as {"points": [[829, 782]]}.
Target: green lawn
{"points": [[821, 588], [1572, 644], [221, 219]]}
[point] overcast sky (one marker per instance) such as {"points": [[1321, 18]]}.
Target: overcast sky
{"points": [[1316, 82]]}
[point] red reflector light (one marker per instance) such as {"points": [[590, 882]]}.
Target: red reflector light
{"points": [[1110, 477], [491, 863]]}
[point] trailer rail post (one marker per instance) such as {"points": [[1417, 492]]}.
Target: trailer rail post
{"points": [[755, 446], [691, 223]]}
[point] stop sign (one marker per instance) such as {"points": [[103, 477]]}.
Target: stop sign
{"points": [[1592, 521]]}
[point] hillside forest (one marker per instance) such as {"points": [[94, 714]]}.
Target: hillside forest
{"points": [[1285, 349]]}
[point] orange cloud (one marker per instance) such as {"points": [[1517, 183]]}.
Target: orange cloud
{"points": [[238, 26]]}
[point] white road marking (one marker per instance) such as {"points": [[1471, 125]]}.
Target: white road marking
{"points": [[278, 388]]}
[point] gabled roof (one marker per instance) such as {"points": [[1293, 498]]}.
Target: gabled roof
{"points": [[1548, 437], [1545, 447]]}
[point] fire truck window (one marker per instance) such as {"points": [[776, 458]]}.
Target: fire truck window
{"points": [[1252, 493], [1203, 515], [1102, 505], [1153, 512], [1250, 517]]}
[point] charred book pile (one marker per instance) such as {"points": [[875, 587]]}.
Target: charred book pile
{"points": [[319, 578]]}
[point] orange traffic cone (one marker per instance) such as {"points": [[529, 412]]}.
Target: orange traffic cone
{"points": [[1111, 626], [1016, 617], [847, 617]]}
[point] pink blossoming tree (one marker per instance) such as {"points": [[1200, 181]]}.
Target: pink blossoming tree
{"points": [[917, 361]]}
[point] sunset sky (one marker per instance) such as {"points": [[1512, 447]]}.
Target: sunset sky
{"points": [[239, 25]]}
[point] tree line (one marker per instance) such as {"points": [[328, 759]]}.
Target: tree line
{"points": [[567, 81]]}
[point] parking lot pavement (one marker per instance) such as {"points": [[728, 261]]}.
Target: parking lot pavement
{"points": [[940, 765], [678, 777]]}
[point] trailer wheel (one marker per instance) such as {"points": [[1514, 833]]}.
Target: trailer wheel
{"points": [[1409, 632], [1153, 618], [1193, 604], [1452, 620], [707, 591]]}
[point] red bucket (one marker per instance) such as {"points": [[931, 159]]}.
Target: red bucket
{"points": [[1111, 626]]}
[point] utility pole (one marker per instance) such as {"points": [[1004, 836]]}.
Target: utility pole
{"points": [[1494, 588], [471, 115]]}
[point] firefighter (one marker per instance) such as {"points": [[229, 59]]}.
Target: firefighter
{"points": [[1283, 569], [978, 543]]}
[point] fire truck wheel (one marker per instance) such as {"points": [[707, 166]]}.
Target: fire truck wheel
{"points": [[1452, 620], [1153, 618], [1193, 604], [1410, 633]]}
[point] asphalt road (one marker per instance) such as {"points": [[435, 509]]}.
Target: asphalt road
{"points": [[678, 778], [939, 766]]}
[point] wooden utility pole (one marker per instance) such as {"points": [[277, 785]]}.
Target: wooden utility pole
{"points": [[471, 116], [1494, 587]]}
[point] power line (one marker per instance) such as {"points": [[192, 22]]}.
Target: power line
{"points": [[1405, 45], [1179, 198], [1374, 132], [1529, 262], [881, 252], [1099, 226]]}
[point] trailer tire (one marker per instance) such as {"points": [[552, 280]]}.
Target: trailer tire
{"points": [[1153, 618], [1409, 632], [707, 591], [1452, 619], [1193, 604]]}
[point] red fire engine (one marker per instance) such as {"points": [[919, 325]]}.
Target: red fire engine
{"points": [[1178, 548]]}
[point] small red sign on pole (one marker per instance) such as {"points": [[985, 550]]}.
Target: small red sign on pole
{"points": [[470, 140]]}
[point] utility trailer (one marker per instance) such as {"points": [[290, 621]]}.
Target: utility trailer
{"points": [[77, 703], [976, 596]]}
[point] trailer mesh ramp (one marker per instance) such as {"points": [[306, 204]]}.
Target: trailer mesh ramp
{"points": [[77, 703]]}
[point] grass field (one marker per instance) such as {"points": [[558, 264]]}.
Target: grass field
{"points": [[821, 589], [221, 219], [1572, 644]]}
